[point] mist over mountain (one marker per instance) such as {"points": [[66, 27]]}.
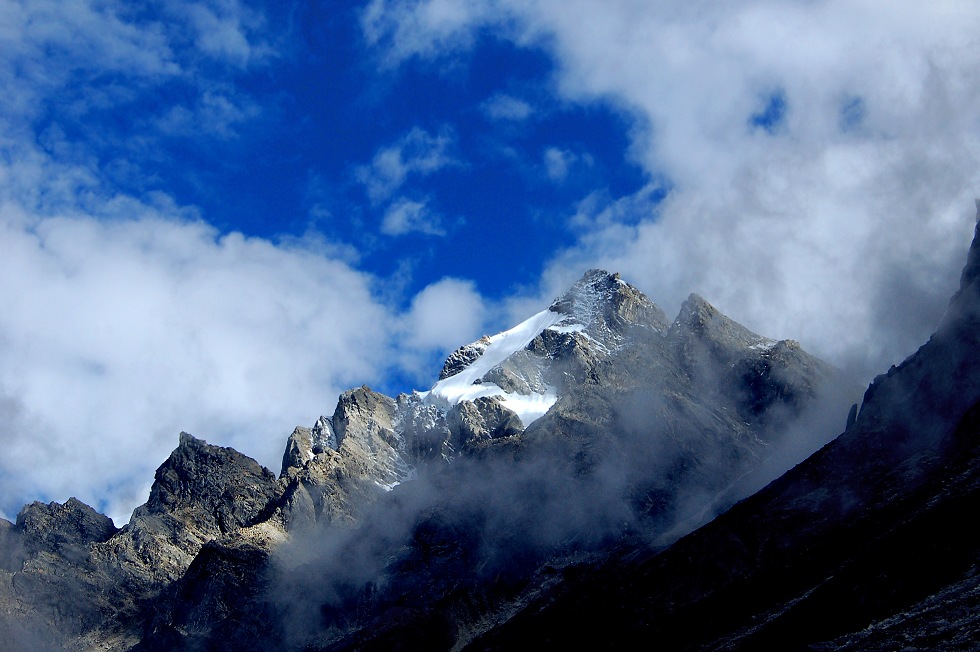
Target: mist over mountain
{"points": [[559, 484]]}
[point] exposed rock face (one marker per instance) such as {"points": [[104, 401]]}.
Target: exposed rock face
{"points": [[65, 530], [606, 305], [473, 422], [213, 490], [364, 423], [299, 450], [463, 357], [425, 430], [726, 359], [48, 592], [79, 583], [653, 424], [201, 493]]}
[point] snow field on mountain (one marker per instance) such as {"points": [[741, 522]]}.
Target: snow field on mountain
{"points": [[461, 387]]}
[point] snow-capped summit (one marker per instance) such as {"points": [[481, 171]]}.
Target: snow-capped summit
{"points": [[513, 365]]}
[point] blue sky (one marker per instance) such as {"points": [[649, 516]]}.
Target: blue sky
{"points": [[215, 216]]}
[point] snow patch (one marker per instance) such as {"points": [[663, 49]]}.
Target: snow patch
{"points": [[567, 328], [529, 407], [463, 386]]}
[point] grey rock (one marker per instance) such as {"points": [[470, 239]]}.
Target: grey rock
{"points": [[343, 464], [214, 490], [649, 412], [299, 450], [66, 529], [11, 547], [604, 304], [499, 420], [364, 423], [473, 422], [522, 373], [463, 357], [329, 490], [466, 424], [865, 545]]}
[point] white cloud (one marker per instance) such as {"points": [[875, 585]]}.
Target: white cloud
{"points": [[424, 28], [407, 216], [225, 30], [215, 113], [118, 334], [126, 321], [44, 43], [416, 153], [842, 229], [507, 107], [442, 317]]}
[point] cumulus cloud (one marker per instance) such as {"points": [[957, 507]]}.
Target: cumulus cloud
{"points": [[821, 157], [118, 334], [416, 153], [443, 316]]}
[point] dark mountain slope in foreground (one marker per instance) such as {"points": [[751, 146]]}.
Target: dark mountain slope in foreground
{"points": [[870, 544]]}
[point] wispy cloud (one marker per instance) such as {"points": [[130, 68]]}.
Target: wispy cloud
{"points": [[225, 30], [558, 162], [214, 113], [417, 153], [407, 216]]}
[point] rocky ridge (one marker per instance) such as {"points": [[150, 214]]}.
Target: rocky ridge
{"points": [[603, 381]]}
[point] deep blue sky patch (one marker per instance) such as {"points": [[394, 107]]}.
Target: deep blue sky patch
{"points": [[773, 113]]}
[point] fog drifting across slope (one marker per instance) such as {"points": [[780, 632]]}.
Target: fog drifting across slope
{"points": [[650, 443]]}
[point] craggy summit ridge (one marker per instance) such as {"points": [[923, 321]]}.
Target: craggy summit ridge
{"points": [[599, 381]]}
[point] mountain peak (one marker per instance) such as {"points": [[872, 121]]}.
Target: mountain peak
{"points": [[700, 320], [601, 298]]}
